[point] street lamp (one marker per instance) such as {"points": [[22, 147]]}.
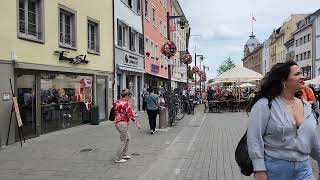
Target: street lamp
{"points": [[182, 26], [204, 70], [195, 74]]}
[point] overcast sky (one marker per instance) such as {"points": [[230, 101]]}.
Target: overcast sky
{"points": [[224, 26]]}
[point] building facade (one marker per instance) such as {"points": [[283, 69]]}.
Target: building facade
{"points": [[253, 54], [303, 46], [265, 57], [253, 60], [282, 35], [59, 56], [179, 35], [290, 50], [155, 32], [316, 42], [129, 49]]}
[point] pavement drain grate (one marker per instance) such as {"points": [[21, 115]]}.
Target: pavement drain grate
{"points": [[86, 150], [135, 154]]}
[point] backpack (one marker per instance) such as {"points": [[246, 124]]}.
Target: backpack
{"points": [[242, 155]]}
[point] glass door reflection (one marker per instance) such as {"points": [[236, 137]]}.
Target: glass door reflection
{"points": [[26, 101]]}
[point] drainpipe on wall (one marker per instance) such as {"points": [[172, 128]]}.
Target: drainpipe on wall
{"points": [[114, 55]]}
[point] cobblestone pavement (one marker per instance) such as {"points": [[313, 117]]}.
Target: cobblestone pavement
{"points": [[212, 154], [200, 147], [57, 156]]}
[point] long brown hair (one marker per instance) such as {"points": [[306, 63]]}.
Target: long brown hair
{"points": [[271, 84]]}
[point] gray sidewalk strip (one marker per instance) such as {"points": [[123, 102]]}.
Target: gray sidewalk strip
{"points": [[172, 158]]}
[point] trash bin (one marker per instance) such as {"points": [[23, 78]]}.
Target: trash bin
{"points": [[163, 117], [95, 115]]}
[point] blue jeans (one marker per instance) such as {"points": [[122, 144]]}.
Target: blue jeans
{"points": [[278, 169]]}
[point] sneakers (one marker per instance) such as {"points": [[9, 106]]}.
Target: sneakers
{"points": [[152, 132], [126, 157], [120, 161]]}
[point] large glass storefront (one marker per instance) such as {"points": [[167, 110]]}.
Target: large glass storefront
{"points": [[65, 100]]}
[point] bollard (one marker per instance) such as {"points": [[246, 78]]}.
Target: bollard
{"points": [[163, 118]]}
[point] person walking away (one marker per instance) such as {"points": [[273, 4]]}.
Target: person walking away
{"points": [[152, 109], [123, 113], [282, 131], [144, 94]]}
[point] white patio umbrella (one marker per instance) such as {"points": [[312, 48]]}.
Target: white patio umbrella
{"points": [[238, 74], [313, 81], [247, 85]]}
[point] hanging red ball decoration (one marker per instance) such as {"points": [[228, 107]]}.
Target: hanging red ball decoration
{"points": [[195, 69], [169, 49], [186, 58]]}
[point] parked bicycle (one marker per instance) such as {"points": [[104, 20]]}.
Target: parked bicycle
{"points": [[175, 109]]}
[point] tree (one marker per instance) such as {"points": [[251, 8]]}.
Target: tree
{"points": [[226, 65], [190, 73], [210, 81]]}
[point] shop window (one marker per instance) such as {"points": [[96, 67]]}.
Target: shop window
{"points": [[65, 100], [30, 19], [67, 28]]}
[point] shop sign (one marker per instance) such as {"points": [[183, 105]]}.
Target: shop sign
{"points": [[155, 68], [131, 60], [80, 59]]}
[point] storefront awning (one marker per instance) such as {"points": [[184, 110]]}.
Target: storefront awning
{"points": [[128, 68]]}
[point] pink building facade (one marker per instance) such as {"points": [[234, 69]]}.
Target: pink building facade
{"points": [[155, 35]]}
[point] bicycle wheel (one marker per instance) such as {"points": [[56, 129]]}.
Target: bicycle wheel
{"points": [[179, 114]]}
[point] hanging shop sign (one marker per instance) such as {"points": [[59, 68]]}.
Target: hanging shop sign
{"points": [[80, 59], [169, 49]]}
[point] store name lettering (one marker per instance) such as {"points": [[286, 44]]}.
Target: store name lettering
{"points": [[131, 60]]}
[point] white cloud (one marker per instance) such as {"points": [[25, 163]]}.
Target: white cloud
{"points": [[225, 25]]}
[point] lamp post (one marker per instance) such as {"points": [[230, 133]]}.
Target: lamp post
{"points": [[182, 24], [204, 70], [195, 74]]}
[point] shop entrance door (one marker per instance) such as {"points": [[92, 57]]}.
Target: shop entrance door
{"points": [[26, 100], [101, 97]]}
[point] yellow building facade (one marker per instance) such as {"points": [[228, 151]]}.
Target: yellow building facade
{"points": [[59, 56], [282, 35]]}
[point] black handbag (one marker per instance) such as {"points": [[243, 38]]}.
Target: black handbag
{"points": [[242, 155], [111, 114]]}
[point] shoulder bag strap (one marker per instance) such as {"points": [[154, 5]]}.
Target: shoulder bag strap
{"points": [[154, 101]]}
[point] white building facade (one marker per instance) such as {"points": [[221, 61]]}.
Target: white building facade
{"points": [[303, 46], [179, 37], [129, 49], [316, 42]]}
